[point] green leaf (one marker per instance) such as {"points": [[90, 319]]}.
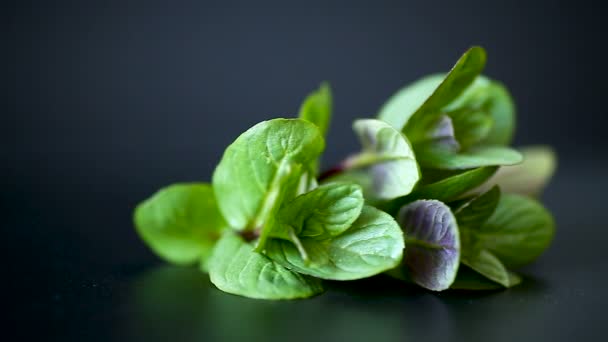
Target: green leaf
{"points": [[464, 72], [467, 279], [317, 109], [180, 223], [261, 169], [438, 158], [387, 157], [477, 211], [402, 105], [447, 189], [373, 244], [519, 230], [236, 268], [488, 265], [324, 212], [492, 98], [433, 243], [528, 178], [470, 126]]}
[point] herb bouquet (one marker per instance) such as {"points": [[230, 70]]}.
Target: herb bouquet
{"points": [[435, 197]]}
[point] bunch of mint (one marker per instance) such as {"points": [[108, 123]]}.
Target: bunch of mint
{"points": [[435, 197]]}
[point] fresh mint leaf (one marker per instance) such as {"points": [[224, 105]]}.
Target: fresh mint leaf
{"points": [[402, 105], [180, 223], [489, 266], [261, 169], [492, 98], [518, 232], [467, 279], [464, 72], [324, 212], [528, 178], [373, 244], [445, 190], [471, 126], [431, 233], [476, 212], [317, 109], [439, 158], [236, 268], [410, 107], [388, 158]]}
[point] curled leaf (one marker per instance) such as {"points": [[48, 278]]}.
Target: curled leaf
{"points": [[433, 243], [387, 157]]}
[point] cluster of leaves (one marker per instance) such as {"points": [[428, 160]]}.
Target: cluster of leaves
{"points": [[435, 197]]}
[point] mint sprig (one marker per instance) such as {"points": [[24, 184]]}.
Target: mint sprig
{"points": [[435, 197]]}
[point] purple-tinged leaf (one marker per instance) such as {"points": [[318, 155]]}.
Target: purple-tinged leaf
{"points": [[432, 255]]}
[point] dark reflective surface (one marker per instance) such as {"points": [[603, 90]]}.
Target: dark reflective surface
{"points": [[81, 289]]}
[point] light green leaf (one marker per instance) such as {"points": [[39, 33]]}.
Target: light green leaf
{"points": [[373, 244], [477, 211], [528, 178], [519, 230], [317, 109], [324, 212], [387, 157], [180, 223], [486, 264], [467, 279], [433, 244], [402, 105], [464, 72], [437, 158], [236, 268], [261, 169]]}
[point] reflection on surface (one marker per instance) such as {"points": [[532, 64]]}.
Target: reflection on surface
{"points": [[170, 303]]}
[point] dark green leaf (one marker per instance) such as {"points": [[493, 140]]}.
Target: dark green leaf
{"points": [[236, 268], [470, 126], [464, 72], [180, 223], [477, 211], [467, 279], [493, 99], [486, 264], [519, 230], [453, 187], [373, 244]]}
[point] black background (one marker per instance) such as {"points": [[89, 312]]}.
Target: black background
{"points": [[106, 101]]}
